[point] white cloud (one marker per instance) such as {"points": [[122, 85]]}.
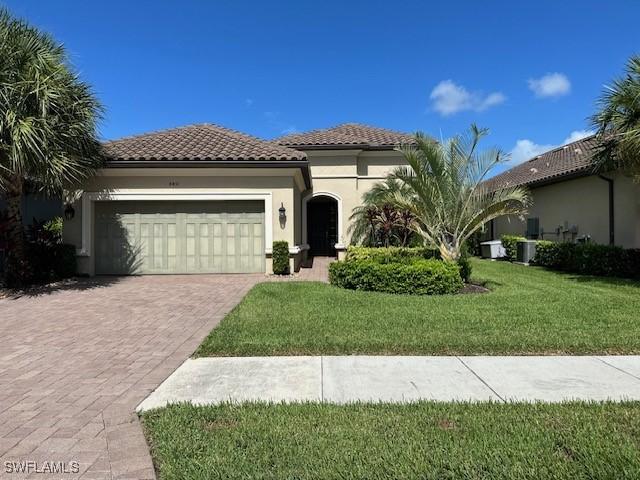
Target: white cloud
{"points": [[550, 85], [290, 129], [577, 135], [526, 149], [448, 98], [248, 102]]}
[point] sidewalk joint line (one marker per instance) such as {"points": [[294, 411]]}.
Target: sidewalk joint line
{"points": [[617, 368], [481, 379]]}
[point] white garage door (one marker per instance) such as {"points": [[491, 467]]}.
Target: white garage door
{"points": [[157, 237]]}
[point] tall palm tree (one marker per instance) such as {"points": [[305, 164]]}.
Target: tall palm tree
{"points": [[48, 121], [447, 192], [618, 122]]}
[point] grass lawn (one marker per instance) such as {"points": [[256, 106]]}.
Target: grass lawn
{"points": [[528, 311], [415, 441]]}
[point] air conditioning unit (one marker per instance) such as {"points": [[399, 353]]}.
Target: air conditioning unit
{"points": [[525, 251], [492, 249]]}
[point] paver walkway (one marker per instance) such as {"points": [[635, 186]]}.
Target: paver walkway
{"points": [[400, 379], [317, 269], [75, 362]]}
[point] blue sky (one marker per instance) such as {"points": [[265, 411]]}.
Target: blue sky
{"points": [[529, 71]]}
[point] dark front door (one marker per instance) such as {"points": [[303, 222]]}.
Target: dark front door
{"points": [[322, 225]]}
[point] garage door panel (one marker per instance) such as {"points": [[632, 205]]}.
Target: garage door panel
{"points": [[179, 237]]}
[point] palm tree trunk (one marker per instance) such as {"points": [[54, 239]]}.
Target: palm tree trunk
{"points": [[15, 230]]}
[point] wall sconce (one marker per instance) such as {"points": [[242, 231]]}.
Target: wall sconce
{"points": [[282, 215], [69, 212]]}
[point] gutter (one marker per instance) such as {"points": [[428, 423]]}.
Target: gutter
{"points": [[612, 232], [303, 165]]}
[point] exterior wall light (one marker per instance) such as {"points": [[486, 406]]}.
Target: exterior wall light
{"points": [[282, 211], [69, 212]]}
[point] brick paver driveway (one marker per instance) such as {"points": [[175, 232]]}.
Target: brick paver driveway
{"points": [[75, 362]]}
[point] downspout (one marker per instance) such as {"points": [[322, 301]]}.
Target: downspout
{"points": [[612, 235]]}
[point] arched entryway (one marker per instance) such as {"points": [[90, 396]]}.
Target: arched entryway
{"points": [[322, 225]]}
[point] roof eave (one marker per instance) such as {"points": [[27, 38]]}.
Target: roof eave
{"points": [[302, 164]]}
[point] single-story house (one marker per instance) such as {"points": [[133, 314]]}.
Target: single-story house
{"points": [[571, 202], [207, 199]]}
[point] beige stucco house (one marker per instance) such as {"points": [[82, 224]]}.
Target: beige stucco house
{"points": [[206, 199], [570, 202]]}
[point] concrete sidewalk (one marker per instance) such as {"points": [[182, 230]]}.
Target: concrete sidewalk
{"points": [[400, 379]]}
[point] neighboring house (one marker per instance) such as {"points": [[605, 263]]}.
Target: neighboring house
{"points": [[206, 199], [570, 202]]}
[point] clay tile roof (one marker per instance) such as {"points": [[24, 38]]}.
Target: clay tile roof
{"points": [[348, 135], [197, 142], [573, 159]]}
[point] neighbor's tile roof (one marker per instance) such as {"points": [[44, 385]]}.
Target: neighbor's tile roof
{"points": [[197, 142], [568, 160], [349, 135]]}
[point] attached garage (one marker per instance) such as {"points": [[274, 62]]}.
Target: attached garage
{"points": [[188, 200], [179, 237]]}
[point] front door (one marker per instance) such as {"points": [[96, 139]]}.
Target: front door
{"points": [[322, 226]]}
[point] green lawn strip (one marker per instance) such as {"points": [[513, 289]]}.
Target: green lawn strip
{"points": [[529, 311], [384, 441]]}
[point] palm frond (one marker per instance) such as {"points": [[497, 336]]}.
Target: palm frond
{"points": [[446, 191], [618, 122], [48, 117]]}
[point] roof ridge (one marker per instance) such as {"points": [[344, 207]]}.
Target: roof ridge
{"points": [[372, 127], [155, 132], [565, 145], [572, 158], [198, 141]]}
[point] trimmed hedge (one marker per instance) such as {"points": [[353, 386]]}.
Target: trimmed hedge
{"points": [[589, 259], [280, 257], [510, 244], [391, 254], [419, 277]]}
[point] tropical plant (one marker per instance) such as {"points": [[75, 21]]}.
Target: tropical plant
{"points": [[377, 222], [443, 187], [618, 122], [48, 122]]}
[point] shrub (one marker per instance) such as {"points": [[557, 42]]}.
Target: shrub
{"points": [[391, 254], [547, 254], [280, 257], [589, 259], [473, 244], [47, 258], [510, 244], [45, 262], [420, 277], [465, 265]]}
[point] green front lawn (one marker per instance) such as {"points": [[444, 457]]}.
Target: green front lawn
{"points": [[415, 441], [529, 311]]}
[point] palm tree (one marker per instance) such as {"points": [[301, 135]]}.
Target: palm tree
{"points": [[377, 221], [48, 121], [444, 188], [618, 122]]}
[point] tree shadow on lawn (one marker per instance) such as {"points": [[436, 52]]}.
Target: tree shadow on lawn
{"points": [[616, 281]]}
